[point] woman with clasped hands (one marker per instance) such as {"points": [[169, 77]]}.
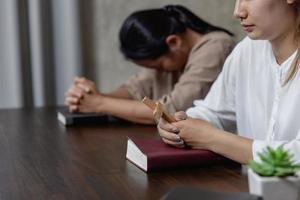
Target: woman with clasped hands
{"points": [[180, 54], [257, 95]]}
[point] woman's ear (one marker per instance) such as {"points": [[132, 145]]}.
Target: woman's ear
{"points": [[174, 42]]}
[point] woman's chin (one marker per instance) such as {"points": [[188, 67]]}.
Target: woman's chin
{"points": [[254, 36]]}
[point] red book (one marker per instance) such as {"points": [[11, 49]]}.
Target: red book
{"points": [[154, 154]]}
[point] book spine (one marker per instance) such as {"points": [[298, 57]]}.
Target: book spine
{"points": [[160, 162]]}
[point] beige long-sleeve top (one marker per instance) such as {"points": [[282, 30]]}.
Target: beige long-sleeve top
{"points": [[177, 90]]}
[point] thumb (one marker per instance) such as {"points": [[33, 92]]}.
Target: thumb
{"points": [[179, 116]]}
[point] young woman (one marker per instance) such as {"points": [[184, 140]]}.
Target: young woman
{"points": [[182, 56], [256, 95]]}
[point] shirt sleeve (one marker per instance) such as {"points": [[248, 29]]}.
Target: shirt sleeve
{"points": [[218, 107], [140, 84], [201, 71], [293, 146]]}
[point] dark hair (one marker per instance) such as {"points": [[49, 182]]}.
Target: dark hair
{"points": [[143, 33]]}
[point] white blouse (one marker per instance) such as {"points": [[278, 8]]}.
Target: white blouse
{"points": [[249, 97]]}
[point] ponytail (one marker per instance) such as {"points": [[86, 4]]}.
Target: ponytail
{"points": [[143, 34], [192, 21]]}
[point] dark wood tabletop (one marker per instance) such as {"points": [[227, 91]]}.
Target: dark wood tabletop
{"points": [[42, 159]]}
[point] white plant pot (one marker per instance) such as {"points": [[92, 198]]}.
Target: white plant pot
{"points": [[274, 188]]}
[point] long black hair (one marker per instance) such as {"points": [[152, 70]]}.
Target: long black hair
{"points": [[143, 34]]}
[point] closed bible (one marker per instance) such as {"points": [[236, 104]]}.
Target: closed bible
{"points": [[67, 118], [154, 154]]}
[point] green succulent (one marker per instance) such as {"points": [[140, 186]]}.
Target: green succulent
{"points": [[275, 162]]}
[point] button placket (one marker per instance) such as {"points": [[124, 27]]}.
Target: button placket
{"points": [[274, 114]]}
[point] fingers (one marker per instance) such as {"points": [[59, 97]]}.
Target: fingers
{"points": [[83, 81], [71, 100], [73, 108], [80, 79], [179, 144], [75, 92], [83, 87], [168, 132], [169, 135], [87, 85], [162, 124], [179, 116]]}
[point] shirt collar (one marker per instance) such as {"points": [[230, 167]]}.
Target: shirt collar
{"points": [[282, 69]]}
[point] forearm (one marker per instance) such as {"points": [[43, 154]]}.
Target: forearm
{"points": [[120, 93], [232, 146], [130, 110]]}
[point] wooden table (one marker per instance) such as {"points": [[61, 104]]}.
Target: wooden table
{"points": [[42, 159]]}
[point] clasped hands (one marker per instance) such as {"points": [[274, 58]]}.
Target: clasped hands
{"points": [[83, 96], [194, 133]]}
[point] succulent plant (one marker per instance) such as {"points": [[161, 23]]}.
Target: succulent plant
{"points": [[275, 162]]}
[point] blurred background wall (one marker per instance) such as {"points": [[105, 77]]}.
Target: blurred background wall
{"points": [[44, 44]]}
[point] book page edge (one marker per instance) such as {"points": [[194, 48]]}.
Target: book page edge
{"points": [[136, 156]]}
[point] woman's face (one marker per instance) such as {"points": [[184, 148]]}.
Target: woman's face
{"points": [[172, 61], [266, 19]]}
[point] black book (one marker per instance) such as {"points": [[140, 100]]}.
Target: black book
{"points": [[67, 118], [193, 193]]}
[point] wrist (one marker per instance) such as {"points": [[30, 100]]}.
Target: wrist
{"points": [[232, 146], [215, 140], [100, 104]]}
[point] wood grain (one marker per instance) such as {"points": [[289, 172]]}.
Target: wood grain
{"points": [[41, 159]]}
